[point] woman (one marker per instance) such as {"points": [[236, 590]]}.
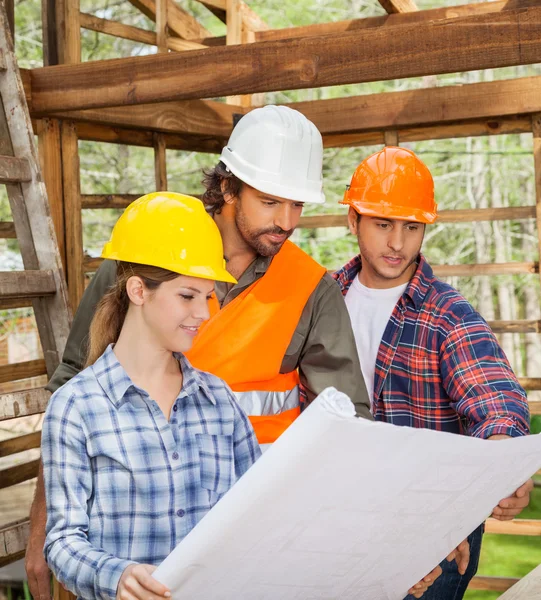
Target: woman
{"points": [[139, 446]]}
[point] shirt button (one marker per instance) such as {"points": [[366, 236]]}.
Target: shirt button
{"points": [[175, 455], [180, 512], [175, 408]]}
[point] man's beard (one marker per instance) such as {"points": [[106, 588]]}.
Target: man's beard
{"points": [[254, 238]]}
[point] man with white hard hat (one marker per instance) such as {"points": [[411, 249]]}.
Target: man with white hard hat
{"points": [[282, 333]]}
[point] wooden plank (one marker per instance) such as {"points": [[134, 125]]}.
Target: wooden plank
{"points": [[134, 34], [530, 383], [505, 125], [13, 170], [420, 17], [216, 7], [20, 443], [522, 326], [92, 264], [398, 6], [429, 106], [160, 162], [467, 215], [7, 230], [50, 158], [49, 32], [514, 268], [180, 22], [511, 37], [71, 53], [72, 213], [13, 538], [531, 527], [22, 404], [18, 473], [26, 284], [161, 26], [535, 409], [493, 584], [525, 589], [11, 303], [108, 200], [390, 137], [22, 370]]}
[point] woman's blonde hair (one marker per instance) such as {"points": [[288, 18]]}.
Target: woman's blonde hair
{"points": [[113, 307]]}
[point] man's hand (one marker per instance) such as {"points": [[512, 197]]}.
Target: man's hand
{"points": [[510, 507], [420, 588], [39, 576], [462, 556], [137, 583]]}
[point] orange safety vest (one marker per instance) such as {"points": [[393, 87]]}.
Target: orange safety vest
{"points": [[244, 343]]}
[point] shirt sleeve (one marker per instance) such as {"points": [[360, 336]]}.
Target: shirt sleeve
{"points": [[245, 445], [329, 355], [85, 570], [74, 356], [480, 382]]}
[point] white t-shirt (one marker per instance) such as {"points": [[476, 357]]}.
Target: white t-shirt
{"points": [[370, 310]]}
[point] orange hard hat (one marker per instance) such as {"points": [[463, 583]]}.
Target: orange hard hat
{"points": [[393, 184]]}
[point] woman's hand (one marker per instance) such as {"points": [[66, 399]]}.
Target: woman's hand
{"points": [[137, 583], [420, 588]]}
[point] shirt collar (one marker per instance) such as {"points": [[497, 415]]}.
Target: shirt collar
{"points": [[417, 288], [115, 382]]}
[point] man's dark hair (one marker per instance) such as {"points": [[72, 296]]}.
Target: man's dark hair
{"points": [[213, 197]]}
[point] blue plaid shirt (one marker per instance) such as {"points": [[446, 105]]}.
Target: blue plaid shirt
{"points": [[123, 483]]}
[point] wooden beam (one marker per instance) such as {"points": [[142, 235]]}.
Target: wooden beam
{"points": [[398, 6], [18, 473], [7, 230], [535, 409], [520, 326], [424, 107], [515, 527], [419, 17], [72, 213], [514, 268], [162, 32], [160, 162], [530, 383], [20, 443], [108, 200], [22, 370], [511, 37], [26, 284], [467, 215], [180, 22], [135, 34], [14, 170], [13, 538], [493, 584], [22, 404], [49, 32]]}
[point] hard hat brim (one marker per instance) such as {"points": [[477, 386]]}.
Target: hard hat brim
{"points": [[386, 211]]}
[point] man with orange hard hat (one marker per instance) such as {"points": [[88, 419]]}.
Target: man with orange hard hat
{"points": [[428, 358]]}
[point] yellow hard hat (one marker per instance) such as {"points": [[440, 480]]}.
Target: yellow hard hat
{"points": [[171, 231]]}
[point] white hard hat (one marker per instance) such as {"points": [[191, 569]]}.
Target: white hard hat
{"points": [[278, 151]]}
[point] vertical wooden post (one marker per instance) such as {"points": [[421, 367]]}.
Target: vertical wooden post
{"points": [[10, 11], [161, 25], [50, 35], [536, 131], [68, 29], [160, 162], [236, 34], [72, 214], [390, 137], [50, 158]]}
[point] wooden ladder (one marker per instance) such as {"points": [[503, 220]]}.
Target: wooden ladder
{"points": [[40, 285]]}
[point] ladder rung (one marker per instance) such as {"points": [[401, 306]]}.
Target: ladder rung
{"points": [[14, 170], [26, 284], [23, 403], [7, 230], [13, 538]]}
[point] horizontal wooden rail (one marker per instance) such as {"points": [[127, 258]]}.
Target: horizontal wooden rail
{"points": [[112, 200], [19, 473], [531, 527], [514, 268], [535, 409], [22, 370], [492, 584], [13, 303], [444, 216], [530, 383], [26, 284], [13, 539], [515, 326], [7, 230], [135, 34], [23, 403], [20, 443]]}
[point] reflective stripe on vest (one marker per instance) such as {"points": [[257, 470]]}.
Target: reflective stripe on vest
{"points": [[245, 342]]}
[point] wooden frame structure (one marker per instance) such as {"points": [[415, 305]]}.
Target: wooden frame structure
{"points": [[167, 95]]}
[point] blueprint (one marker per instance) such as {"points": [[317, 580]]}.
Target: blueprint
{"points": [[342, 508]]}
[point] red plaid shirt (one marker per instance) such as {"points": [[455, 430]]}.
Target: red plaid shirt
{"points": [[439, 365]]}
